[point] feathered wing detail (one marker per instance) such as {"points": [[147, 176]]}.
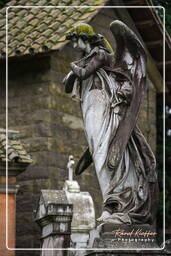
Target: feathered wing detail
{"points": [[130, 61], [84, 162]]}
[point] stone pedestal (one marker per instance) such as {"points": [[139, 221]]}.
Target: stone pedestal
{"points": [[126, 253], [124, 240], [109, 243]]}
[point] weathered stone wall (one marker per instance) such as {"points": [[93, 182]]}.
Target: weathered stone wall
{"points": [[51, 128]]}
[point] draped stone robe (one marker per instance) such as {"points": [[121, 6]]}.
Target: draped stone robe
{"points": [[123, 160]]}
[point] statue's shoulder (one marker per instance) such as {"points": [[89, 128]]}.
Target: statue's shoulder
{"points": [[95, 50]]}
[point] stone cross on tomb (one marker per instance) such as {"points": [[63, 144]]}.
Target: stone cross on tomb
{"points": [[70, 164]]}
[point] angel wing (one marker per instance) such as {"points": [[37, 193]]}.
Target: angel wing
{"points": [[130, 61]]}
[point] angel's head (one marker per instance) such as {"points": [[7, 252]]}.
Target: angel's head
{"points": [[83, 37]]}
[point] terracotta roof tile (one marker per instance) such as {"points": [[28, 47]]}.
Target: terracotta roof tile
{"points": [[20, 24], [33, 30], [22, 12], [42, 2], [49, 45], [1, 34], [41, 40], [21, 48], [13, 45], [16, 151], [28, 29], [34, 35], [29, 17], [13, 2], [41, 15], [20, 37], [54, 26]]}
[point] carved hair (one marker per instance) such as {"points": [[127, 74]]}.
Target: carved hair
{"points": [[86, 33]]}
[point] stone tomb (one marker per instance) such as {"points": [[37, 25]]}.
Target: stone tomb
{"points": [[54, 216], [83, 221]]}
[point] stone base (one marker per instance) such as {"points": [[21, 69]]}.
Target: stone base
{"points": [[126, 253], [126, 236]]}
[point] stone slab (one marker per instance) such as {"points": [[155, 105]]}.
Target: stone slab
{"points": [[126, 253]]}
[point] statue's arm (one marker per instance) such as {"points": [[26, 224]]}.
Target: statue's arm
{"points": [[95, 63], [68, 81]]}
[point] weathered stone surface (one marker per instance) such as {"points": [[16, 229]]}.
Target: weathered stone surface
{"points": [[34, 171], [86, 180], [126, 253], [56, 88], [72, 122]]}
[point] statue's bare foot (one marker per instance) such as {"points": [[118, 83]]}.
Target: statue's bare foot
{"points": [[104, 216]]}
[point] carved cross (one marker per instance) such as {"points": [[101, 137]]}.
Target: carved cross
{"points": [[70, 167]]}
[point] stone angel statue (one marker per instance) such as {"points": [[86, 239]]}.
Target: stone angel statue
{"points": [[110, 86]]}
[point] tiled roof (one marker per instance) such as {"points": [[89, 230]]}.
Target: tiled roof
{"points": [[41, 29], [16, 151]]}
